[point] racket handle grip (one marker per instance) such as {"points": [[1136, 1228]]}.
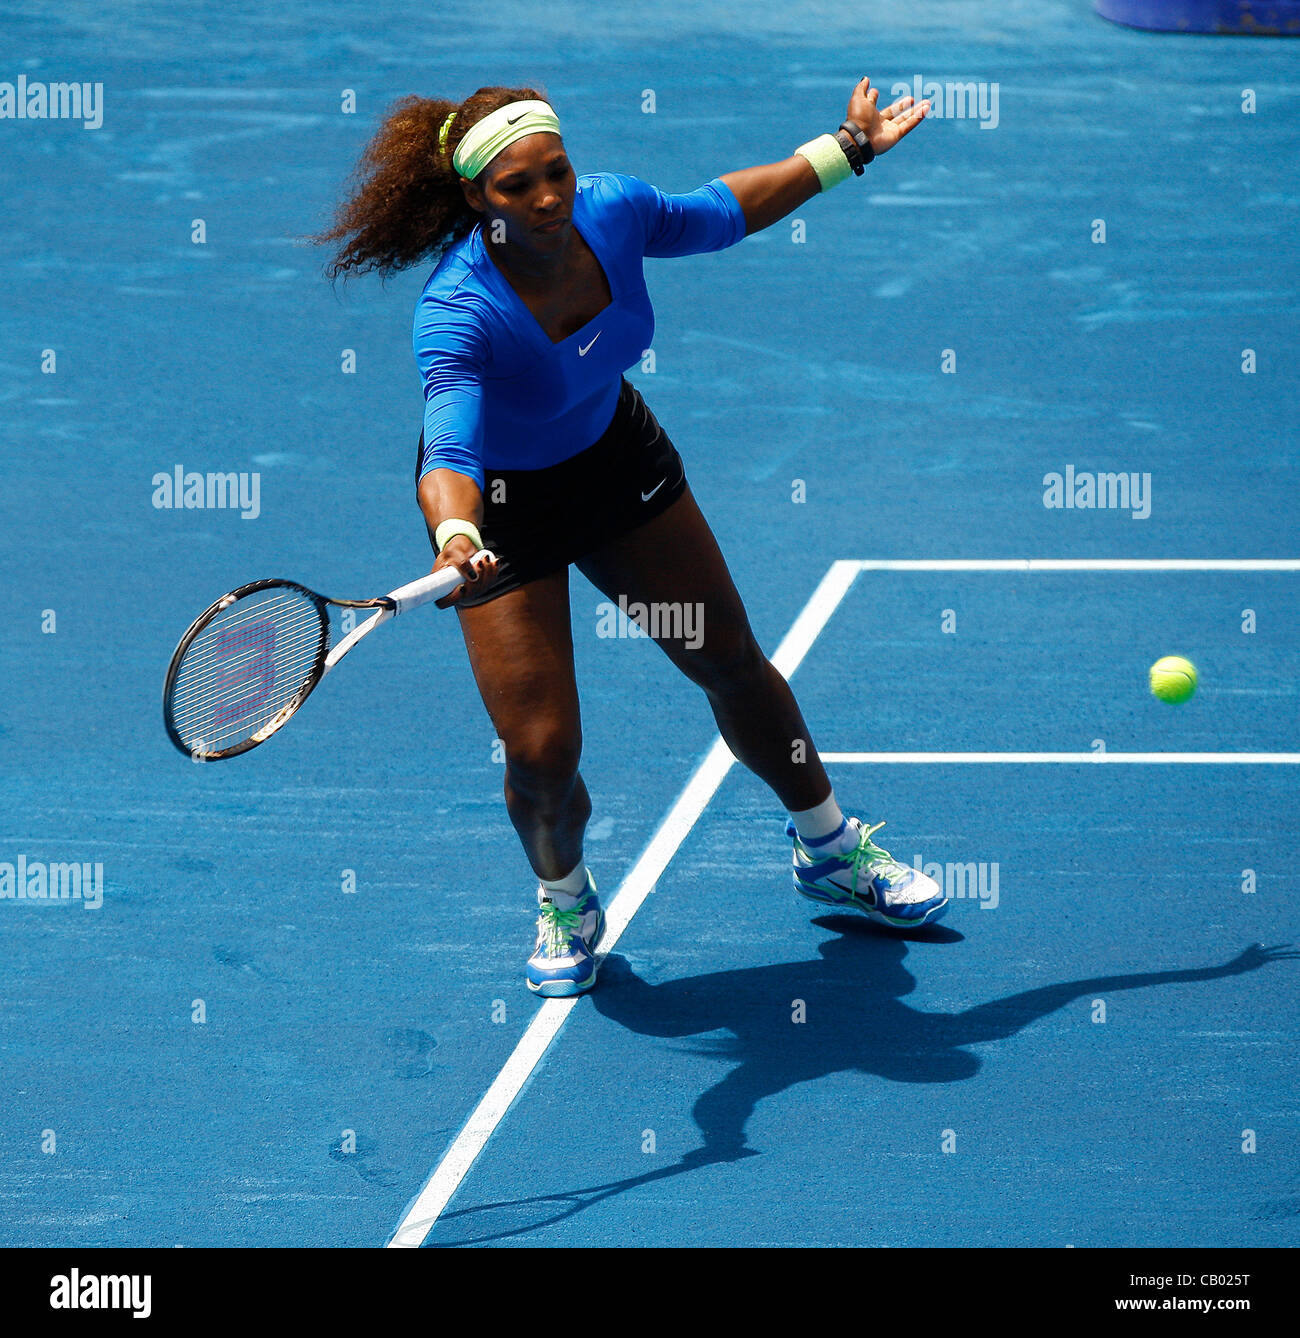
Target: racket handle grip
{"points": [[427, 588]]}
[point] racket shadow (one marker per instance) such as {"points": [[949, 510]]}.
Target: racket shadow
{"points": [[509, 1218]]}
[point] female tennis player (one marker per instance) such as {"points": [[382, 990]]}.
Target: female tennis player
{"points": [[536, 448]]}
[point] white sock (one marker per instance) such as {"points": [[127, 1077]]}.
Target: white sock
{"points": [[566, 892], [824, 829]]}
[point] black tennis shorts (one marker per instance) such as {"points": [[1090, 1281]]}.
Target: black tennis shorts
{"points": [[538, 521]]}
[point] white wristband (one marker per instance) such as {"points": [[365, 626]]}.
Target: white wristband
{"points": [[828, 160], [450, 528]]}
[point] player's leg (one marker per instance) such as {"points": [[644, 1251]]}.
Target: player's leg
{"points": [[671, 567], [672, 575], [521, 651]]}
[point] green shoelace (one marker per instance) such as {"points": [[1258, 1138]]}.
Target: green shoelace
{"points": [[558, 927], [866, 854]]}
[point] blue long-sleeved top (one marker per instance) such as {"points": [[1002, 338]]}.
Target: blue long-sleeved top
{"points": [[498, 394]]}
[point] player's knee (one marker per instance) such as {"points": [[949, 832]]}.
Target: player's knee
{"points": [[542, 757], [731, 662]]}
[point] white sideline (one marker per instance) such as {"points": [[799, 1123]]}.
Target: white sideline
{"points": [[1090, 759], [429, 1203]]}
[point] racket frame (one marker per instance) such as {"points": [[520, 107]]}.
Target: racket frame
{"points": [[324, 662], [406, 597]]}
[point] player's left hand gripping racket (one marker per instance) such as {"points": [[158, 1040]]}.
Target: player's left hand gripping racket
{"points": [[251, 660]]}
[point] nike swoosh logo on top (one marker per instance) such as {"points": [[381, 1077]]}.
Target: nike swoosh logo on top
{"points": [[582, 349], [646, 496], [510, 120]]}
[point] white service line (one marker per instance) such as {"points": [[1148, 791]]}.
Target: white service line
{"points": [[1090, 759], [428, 1205]]}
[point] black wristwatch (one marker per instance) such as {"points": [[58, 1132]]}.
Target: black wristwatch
{"points": [[860, 141], [845, 141]]}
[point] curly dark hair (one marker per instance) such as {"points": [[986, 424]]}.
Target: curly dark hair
{"points": [[407, 205]]}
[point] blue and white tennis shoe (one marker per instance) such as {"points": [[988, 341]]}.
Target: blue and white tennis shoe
{"points": [[867, 879], [564, 962]]}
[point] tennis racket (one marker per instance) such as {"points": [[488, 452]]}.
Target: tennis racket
{"points": [[248, 662]]}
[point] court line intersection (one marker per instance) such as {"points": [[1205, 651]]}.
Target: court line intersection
{"points": [[427, 1206]]}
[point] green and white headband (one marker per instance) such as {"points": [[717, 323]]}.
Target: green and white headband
{"points": [[497, 131]]}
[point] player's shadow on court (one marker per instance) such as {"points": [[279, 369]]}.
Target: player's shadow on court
{"points": [[854, 1020]]}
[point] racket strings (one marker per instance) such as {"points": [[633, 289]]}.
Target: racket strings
{"points": [[242, 694], [245, 667], [204, 705], [197, 681], [222, 670]]}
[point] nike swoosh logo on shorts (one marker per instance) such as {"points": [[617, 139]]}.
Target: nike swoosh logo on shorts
{"points": [[582, 352], [646, 496]]}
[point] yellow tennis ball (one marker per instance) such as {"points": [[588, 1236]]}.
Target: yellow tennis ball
{"points": [[1173, 679]]}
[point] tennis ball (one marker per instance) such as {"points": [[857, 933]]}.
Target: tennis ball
{"points": [[1173, 679]]}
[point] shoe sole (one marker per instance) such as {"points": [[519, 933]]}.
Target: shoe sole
{"points": [[566, 989], [561, 989], [878, 917]]}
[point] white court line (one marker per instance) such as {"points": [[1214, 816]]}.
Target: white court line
{"points": [[1091, 759], [1078, 564], [428, 1205]]}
